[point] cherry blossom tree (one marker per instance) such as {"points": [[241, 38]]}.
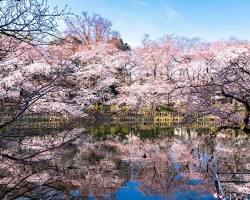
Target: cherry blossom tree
{"points": [[151, 84], [24, 26], [90, 28], [217, 84]]}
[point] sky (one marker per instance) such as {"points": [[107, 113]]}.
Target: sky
{"points": [[208, 19]]}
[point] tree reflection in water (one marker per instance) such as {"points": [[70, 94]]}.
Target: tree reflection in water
{"points": [[83, 164]]}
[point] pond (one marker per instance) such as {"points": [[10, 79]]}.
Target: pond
{"points": [[117, 160]]}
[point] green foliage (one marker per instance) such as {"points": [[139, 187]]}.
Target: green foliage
{"points": [[118, 42], [202, 131], [165, 108]]}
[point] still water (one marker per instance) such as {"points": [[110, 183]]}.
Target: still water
{"points": [[117, 161]]}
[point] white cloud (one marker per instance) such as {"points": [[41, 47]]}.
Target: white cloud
{"points": [[141, 3], [171, 14]]}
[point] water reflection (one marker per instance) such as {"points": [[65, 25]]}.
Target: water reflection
{"points": [[108, 161], [132, 190]]}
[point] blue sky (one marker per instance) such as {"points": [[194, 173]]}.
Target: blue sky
{"points": [[207, 19]]}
